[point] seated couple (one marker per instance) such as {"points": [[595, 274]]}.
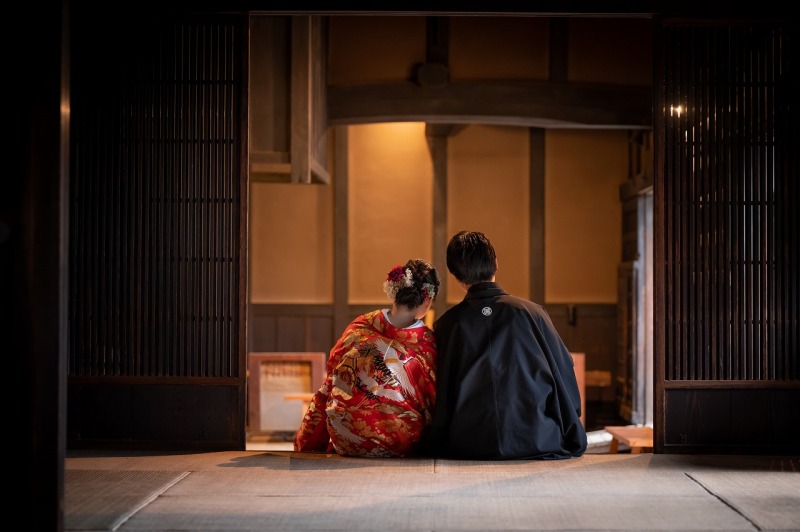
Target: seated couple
{"points": [[493, 380]]}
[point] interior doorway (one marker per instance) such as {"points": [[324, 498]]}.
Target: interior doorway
{"points": [[284, 312], [635, 385], [642, 363]]}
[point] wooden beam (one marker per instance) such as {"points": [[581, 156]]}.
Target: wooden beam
{"points": [[528, 104]]}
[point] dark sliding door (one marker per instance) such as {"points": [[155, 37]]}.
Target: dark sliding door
{"points": [[157, 233], [727, 238]]}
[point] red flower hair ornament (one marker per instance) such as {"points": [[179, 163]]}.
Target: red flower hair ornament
{"points": [[395, 279]]}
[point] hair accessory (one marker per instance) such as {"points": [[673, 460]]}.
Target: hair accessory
{"points": [[429, 289], [396, 279]]}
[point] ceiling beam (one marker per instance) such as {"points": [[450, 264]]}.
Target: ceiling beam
{"points": [[528, 104]]}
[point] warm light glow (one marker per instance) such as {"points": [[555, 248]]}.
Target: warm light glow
{"points": [[675, 110]]}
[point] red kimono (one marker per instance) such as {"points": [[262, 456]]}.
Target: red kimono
{"points": [[378, 397]]}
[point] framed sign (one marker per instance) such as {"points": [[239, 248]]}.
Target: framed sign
{"points": [[277, 383]]}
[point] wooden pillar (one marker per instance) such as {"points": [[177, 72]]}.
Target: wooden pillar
{"points": [[537, 215], [437, 143], [341, 269]]}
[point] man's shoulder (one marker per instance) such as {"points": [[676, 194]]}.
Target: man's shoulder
{"points": [[523, 303], [449, 316]]}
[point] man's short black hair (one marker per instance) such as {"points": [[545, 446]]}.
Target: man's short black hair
{"points": [[471, 257]]}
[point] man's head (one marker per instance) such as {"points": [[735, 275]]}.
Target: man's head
{"points": [[471, 257]]}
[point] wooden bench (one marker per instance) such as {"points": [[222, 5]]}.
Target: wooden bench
{"points": [[305, 397], [638, 438]]}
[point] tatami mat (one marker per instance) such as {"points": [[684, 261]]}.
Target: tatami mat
{"points": [[770, 500], [272, 490], [104, 500], [395, 511]]}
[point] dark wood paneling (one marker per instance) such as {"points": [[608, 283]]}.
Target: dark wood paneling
{"points": [[205, 415], [736, 420], [295, 328], [151, 415], [291, 333], [319, 332], [101, 412], [761, 417], [695, 417], [587, 328], [591, 329]]}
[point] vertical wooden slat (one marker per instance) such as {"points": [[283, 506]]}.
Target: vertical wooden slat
{"points": [[214, 143], [195, 53], [231, 217], [714, 204], [687, 220], [760, 353], [675, 242], [747, 222], [768, 227], [155, 220], [791, 189], [228, 224], [736, 209], [730, 200], [698, 204], [725, 168]]}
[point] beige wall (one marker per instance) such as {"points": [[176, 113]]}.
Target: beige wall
{"points": [[390, 204], [391, 214], [488, 191], [291, 243], [583, 214]]}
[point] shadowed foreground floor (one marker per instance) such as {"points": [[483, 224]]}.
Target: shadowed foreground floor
{"points": [[284, 490]]}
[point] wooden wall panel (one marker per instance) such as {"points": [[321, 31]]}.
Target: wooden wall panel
{"points": [[294, 328], [197, 413], [588, 328], [291, 332]]}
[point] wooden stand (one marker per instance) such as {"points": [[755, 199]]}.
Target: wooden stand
{"points": [[639, 439]]}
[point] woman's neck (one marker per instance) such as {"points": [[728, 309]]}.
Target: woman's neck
{"points": [[401, 316]]}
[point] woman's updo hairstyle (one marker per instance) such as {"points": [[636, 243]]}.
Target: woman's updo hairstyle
{"points": [[412, 283]]}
